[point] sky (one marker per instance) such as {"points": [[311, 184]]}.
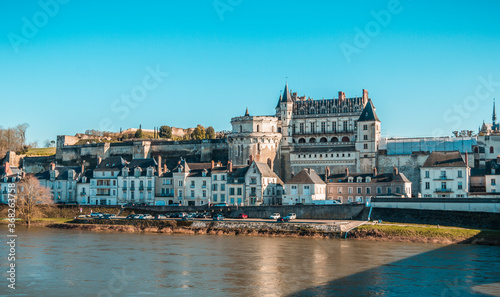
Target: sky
{"points": [[430, 67]]}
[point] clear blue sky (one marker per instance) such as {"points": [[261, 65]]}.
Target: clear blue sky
{"points": [[70, 74]]}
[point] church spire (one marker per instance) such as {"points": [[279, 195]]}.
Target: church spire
{"points": [[246, 113], [494, 117]]}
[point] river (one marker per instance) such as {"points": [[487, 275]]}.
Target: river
{"points": [[54, 262]]}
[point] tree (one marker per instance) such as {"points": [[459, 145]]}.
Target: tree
{"points": [[21, 130], [138, 133], [30, 196], [199, 132], [210, 133], [165, 132]]}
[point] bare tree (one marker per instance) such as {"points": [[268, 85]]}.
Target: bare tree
{"points": [[30, 197], [21, 131]]}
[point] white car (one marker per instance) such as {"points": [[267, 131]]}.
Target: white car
{"points": [[291, 216], [275, 216]]}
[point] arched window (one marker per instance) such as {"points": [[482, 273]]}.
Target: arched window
{"points": [[323, 139], [312, 140], [323, 110], [312, 111], [345, 139], [491, 150], [335, 139], [302, 112], [302, 140]]}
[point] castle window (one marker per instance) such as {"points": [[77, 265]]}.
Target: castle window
{"points": [[365, 137], [312, 127], [323, 110], [491, 150], [302, 140], [365, 146], [258, 128], [301, 128], [323, 139], [335, 139], [323, 127], [345, 139], [345, 126], [334, 127], [365, 127], [302, 112], [241, 128], [312, 140], [312, 111]]}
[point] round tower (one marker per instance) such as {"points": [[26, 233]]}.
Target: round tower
{"points": [[253, 138]]}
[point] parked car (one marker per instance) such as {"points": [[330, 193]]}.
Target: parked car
{"points": [[221, 204], [292, 216], [130, 216], [109, 216], [146, 217], [160, 217], [96, 215], [188, 218], [280, 220], [242, 216], [218, 218], [275, 216]]}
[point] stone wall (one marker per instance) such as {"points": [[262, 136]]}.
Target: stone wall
{"points": [[407, 164]]}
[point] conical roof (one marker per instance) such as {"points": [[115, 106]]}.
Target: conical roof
{"points": [[368, 113]]}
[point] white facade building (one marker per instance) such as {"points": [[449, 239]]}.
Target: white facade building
{"points": [[306, 187]]}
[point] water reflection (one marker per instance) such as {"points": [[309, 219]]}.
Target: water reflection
{"points": [[68, 263]]}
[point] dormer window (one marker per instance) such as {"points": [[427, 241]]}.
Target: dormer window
{"points": [[350, 179], [125, 172], [368, 179], [204, 173], [137, 172], [359, 180]]}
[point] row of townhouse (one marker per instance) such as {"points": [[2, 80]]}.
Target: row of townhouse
{"points": [[9, 175], [307, 187], [115, 181]]}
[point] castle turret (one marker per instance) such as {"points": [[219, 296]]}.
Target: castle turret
{"points": [[368, 138]]}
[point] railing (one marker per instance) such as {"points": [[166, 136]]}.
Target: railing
{"points": [[441, 190], [83, 194], [442, 177], [150, 188], [141, 188]]}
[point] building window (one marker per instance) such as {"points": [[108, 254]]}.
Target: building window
{"points": [[460, 185], [443, 185], [334, 127], [192, 184], [204, 185], [427, 174], [192, 194], [294, 190], [365, 137], [312, 127], [215, 177], [180, 183], [398, 190], [345, 126], [365, 127], [222, 198], [491, 150], [180, 194], [365, 146], [301, 128], [379, 190], [306, 190], [368, 190], [223, 187], [493, 182], [231, 191], [215, 197], [323, 127], [339, 190], [460, 173], [349, 190], [239, 191], [427, 185], [359, 190], [204, 193], [443, 174]]}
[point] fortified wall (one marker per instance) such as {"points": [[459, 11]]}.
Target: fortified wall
{"points": [[193, 150]]}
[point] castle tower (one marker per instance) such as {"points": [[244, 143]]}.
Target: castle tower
{"points": [[253, 138], [368, 138], [284, 113]]}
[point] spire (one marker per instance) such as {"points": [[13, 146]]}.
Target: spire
{"points": [[286, 94], [368, 113], [246, 113], [494, 117], [279, 101]]}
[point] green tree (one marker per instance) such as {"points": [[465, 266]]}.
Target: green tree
{"points": [[165, 132], [138, 133], [199, 132], [210, 133]]}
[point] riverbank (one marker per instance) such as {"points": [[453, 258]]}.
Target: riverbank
{"points": [[425, 234], [395, 233]]}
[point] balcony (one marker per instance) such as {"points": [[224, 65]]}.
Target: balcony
{"points": [[83, 193], [440, 190], [150, 188], [443, 177], [141, 188], [124, 189], [132, 188]]}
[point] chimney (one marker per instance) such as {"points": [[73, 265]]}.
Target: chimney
{"points": [[341, 95], [212, 165], [99, 160], [7, 169], [396, 171], [375, 172], [82, 168], [52, 166], [467, 159], [230, 166], [159, 166], [346, 171], [292, 174], [165, 169], [327, 173], [251, 159], [365, 96]]}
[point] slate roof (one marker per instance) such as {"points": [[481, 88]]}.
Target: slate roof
{"points": [[265, 171], [142, 163], [368, 113], [111, 163], [444, 159], [379, 178], [306, 176], [62, 173]]}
